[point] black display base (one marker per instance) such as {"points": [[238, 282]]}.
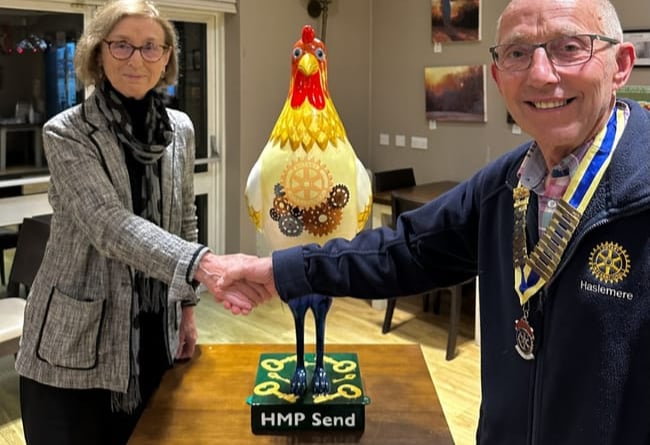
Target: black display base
{"points": [[275, 410]]}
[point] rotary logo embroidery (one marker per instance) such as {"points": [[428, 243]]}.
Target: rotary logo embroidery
{"points": [[609, 262]]}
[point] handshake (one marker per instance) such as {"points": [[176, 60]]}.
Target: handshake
{"points": [[240, 282]]}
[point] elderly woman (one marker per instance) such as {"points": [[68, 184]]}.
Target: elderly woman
{"points": [[112, 304]]}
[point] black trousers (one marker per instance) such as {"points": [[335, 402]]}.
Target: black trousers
{"points": [[64, 416]]}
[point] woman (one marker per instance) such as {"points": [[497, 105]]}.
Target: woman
{"points": [[112, 304]]}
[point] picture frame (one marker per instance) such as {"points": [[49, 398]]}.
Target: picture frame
{"points": [[641, 40], [455, 21], [455, 93]]}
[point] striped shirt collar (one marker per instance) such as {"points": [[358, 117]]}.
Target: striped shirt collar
{"points": [[533, 171]]}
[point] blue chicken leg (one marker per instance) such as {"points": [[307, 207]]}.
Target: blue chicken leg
{"points": [[299, 380], [320, 305]]}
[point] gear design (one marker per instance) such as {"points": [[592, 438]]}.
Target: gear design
{"points": [[297, 212], [278, 190], [339, 196], [609, 262], [306, 182], [321, 220], [290, 225], [280, 207]]}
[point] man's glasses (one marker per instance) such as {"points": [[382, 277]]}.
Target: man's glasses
{"points": [[562, 51], [122, 50]]}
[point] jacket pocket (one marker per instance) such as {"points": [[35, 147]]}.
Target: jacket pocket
{"points": [[70, 333]]}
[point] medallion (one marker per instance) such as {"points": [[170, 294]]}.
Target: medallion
{"points": [[525, 339]]}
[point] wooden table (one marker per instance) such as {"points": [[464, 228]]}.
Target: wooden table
{"points": [[424, 193], [204, 401], [382, 210], [421, 192]]}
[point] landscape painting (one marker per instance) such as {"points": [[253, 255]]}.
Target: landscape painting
{"points": [[455, 20], [455, 93]]}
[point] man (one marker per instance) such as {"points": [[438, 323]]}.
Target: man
{"points": [[557, 230]]}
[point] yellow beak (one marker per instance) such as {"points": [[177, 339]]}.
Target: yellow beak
{"points": [[308, 64]]}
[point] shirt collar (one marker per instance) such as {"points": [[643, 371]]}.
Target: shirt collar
{"points": [[532, 172]]}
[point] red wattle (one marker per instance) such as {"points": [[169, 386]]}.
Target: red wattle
{"points": [[308, 88]]}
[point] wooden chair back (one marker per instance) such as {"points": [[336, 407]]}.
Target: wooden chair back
{"points": [[393, 179], [400, 205]]}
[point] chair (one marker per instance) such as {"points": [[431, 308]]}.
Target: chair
{"points": [[382, 184], [393, 179], [11, 324], [400, 205], [32, 238], [8, 240]]}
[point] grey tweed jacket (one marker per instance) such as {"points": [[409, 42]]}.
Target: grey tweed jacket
{"points": [[79, 311]]}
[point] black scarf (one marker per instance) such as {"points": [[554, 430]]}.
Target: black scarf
{"points": [[147, 150]]}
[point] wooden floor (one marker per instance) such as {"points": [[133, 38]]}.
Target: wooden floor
{"points": [[349, 321]]}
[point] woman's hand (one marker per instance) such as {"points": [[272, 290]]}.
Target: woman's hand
{"points": [[187, 335]]}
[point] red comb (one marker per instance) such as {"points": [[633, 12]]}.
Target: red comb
{"points": [[308, 34]]}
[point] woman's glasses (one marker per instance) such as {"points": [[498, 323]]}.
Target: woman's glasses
{"points": [[122, 50]]}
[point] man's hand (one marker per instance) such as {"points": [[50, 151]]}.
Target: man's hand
{"points": [[239, 295], [251, 270]]}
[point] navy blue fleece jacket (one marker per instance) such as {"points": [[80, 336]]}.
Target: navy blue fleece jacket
{"points": [[590, 380]]}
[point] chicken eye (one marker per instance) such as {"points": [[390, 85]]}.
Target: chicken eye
{"points": [[320, 54], [297, 52]]}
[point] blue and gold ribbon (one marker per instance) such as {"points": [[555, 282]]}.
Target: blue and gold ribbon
{"points": [[532, 272]]}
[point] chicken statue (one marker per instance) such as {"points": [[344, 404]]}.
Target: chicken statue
{"points": [[308, 186]]}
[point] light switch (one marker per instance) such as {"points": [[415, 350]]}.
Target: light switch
{"points": [[400, 140], [419, 142], [384, 139]]}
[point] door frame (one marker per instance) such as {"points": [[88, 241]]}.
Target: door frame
{"points": [[212, 182]]}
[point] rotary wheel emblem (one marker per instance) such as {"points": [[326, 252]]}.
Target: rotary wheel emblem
{"points": [[609, 262], [307, 182]]}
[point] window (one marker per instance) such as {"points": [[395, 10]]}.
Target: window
{"points": [[37, 81]]}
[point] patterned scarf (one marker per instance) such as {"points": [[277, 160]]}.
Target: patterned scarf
{"points": [[151, 293]]}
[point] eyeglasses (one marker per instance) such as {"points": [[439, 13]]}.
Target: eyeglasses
{"points": [[122, 50], [562, 51]]}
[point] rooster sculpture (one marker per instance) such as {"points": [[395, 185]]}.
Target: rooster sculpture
{"points": [[308, 186]]}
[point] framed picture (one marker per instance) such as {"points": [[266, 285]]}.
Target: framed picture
{"points": [[641, 40], [455, 20], [455, 93]]}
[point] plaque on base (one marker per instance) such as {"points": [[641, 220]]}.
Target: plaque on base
{"points": [[274, 409]]}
